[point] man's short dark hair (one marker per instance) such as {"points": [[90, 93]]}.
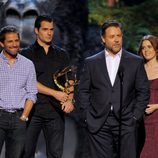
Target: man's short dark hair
{"points": [[108, 24], [41, 18], [7, 29]]}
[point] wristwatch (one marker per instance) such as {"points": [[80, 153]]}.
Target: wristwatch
{"points": [[24, 118]]}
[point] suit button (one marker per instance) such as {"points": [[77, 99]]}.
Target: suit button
{"points": [[112, 91]]}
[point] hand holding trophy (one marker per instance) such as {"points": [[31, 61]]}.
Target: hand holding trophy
{"points": [[69, 83], [69, 73]]}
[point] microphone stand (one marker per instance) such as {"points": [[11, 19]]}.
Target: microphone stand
{"points": [[120, 73]]}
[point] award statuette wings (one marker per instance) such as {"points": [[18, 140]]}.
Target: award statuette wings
{"points": [[68, 87]]}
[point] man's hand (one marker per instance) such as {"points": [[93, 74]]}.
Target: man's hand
{"points": [[67, 106], [24, 118], [70, 86], [60, 96]]}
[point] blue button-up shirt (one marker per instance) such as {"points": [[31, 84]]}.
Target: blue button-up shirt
{"points": [[17, 83]]}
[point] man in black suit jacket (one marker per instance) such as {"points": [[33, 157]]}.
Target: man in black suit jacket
{"points": [[112, 94]]}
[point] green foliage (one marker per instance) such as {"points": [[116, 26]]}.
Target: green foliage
{"points": [[137, 20]]}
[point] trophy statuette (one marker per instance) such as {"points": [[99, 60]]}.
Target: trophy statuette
{"points": [[69, 83]]}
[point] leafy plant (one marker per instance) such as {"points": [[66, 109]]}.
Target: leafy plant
{"points": [[137, 20]]}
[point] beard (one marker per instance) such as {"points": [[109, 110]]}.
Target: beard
{"points": [[10, 53], [114, 49]]}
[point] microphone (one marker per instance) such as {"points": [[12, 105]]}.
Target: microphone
{"points": [[121, 73]]}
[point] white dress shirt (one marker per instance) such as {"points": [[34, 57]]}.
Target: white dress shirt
{"points": [[112, 62]]}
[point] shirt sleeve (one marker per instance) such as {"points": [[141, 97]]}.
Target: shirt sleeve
{"points": [[31, 85]]}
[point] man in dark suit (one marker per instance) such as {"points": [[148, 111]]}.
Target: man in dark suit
{"points": [[112, 95]]}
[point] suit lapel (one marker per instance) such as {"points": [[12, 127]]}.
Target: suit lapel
{"points": [[123, 63], [103, 67]]}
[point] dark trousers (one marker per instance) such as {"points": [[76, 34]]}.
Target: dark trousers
{"points": [[107, 143], [53, 130], [12, 132]]}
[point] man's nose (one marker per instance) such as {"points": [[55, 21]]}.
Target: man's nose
{"points": [[15, 43], [116, 39], [49, 32]]}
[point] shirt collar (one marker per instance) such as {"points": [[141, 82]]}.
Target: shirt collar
{"points": [[39, 46], [5, 58]]}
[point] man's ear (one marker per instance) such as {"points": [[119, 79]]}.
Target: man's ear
{"points": [[36, 31], [103, 40], [1, 44]]}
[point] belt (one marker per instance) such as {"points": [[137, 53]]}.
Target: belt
{"points": [[13, 111]]}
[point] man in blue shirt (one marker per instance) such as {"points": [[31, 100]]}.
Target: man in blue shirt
{"points": [[17, 92]]}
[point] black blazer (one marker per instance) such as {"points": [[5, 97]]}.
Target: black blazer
{"points": [[96, 94]]}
